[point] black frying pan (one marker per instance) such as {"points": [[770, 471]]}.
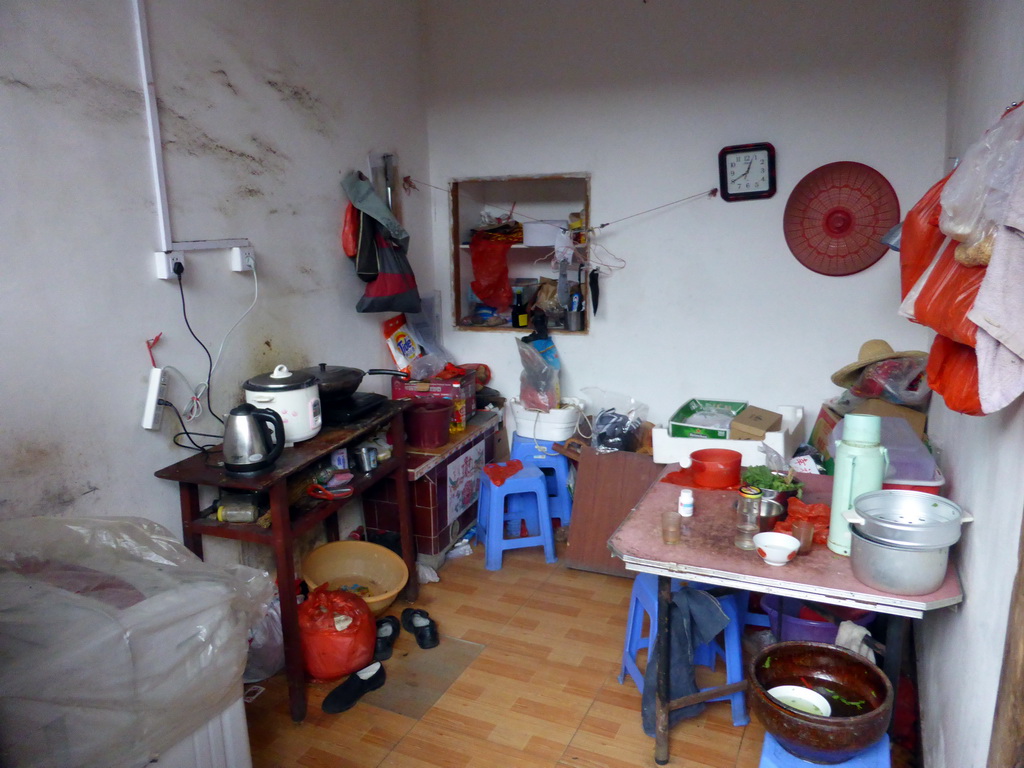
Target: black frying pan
{"points": [[336, 381]]}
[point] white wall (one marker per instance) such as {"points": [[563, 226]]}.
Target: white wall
{"points": [[264, 108], [643, 95], [982, 457]]}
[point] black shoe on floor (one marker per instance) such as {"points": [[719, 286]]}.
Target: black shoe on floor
{"points": [[382, 650], [358, 683], [426, 634]]}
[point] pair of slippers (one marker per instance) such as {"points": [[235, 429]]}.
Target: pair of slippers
{"points": [[415, 621], [370, 678]]}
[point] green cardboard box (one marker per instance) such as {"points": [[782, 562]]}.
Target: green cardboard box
{"points": [[704, 418]]}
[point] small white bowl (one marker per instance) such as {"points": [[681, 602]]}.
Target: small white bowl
{"points": [[776, 548], [801, 699]]}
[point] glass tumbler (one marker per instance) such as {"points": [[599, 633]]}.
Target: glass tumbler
{"points": [[748, 507]]}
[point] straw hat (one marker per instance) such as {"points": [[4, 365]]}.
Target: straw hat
{"points": [[872, 351]]}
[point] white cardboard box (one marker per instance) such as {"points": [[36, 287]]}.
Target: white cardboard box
{"points": [[669, 450]]}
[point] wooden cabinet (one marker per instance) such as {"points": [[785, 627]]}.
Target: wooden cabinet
{"points": [[529, 200], [608, 486]]}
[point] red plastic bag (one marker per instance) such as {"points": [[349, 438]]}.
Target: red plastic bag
{"points": [[953, 373], [920, 237], [338, 633], [948, 295], [490, 270]]}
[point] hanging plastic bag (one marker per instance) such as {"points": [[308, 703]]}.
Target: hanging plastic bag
{"points": [[948, 295], [920, 237], [976, 193], [338, 633], [953, 373], [490, 271]]}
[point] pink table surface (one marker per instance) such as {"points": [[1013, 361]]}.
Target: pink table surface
{"points": [[707, 554]]}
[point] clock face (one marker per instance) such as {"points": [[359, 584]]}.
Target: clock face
{"points": [[747, 172]]}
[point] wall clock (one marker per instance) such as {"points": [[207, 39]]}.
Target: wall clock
{"points": [[746, 172]]}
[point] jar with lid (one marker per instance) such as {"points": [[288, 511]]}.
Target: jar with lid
{"points": [[748, 507]]}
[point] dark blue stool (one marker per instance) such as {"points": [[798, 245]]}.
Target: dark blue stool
{"points": [[774, 756], [530, 488], [644, 601], [555, 466]]}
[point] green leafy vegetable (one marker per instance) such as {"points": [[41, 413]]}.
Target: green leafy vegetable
{"points": [[765, 479]]}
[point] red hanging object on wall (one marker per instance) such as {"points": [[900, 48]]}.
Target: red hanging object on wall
{"points": [[836, 217]]}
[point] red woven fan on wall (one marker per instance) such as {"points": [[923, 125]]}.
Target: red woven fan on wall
{"points": [[836, 217]]}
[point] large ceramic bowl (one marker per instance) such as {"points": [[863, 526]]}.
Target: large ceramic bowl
{"points": [[373, 572], [858, 692]]}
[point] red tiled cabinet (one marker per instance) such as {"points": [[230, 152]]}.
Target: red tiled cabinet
{"points": [[444, 483]]}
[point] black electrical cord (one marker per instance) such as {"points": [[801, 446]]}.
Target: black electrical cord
{"points": [[184, 431], [178, 269]]}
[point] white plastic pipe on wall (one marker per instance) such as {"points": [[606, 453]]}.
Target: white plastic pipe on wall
{"points": [[156, 157]]}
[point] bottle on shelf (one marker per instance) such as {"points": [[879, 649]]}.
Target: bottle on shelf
{"points": [[520, 316]]}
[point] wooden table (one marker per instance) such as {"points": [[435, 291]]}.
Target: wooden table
{"points": [[707, 555], [293, 513]]}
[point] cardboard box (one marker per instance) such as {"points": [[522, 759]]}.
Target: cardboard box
{"points": [[668, 449], [462, 391], [877, 407], [752, 423], [692, 418], [821, 433]]}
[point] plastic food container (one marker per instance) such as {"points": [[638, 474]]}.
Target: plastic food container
{"points": [[786, 624]]}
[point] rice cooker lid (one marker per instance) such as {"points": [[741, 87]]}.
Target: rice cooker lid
{"points": [[280, 380]]}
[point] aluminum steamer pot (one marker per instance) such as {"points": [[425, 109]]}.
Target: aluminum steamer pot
{"points": [[903, 518], [294, 395], [899, 570]]}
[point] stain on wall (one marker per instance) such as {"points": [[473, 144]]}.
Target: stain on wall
{"points": [[305, 102]]}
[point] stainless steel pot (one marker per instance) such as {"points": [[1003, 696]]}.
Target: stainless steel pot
{"points": [[899, 570], [908, 519]]}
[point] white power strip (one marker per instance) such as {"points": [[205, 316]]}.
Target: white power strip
{"points": [[153, 414]]}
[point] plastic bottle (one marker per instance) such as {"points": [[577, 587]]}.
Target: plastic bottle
{"points": [[861, 462], [685, 503]]}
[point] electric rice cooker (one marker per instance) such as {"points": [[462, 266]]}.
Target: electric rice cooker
{"points": [[294, 395]]}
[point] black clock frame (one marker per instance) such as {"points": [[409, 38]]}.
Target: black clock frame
{"points": [[723, 180]]}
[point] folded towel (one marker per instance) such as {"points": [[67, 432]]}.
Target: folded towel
{"points": [[852, 636]]}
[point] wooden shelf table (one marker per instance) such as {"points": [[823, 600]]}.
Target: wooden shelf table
{"points": [[293, 514]]}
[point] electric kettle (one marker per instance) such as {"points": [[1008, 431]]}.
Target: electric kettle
{"points": [[248, 445]]}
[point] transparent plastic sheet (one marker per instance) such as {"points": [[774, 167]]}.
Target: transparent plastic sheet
{"points": [[116, 641], [615, 420], [266, 646], [977, 191]]}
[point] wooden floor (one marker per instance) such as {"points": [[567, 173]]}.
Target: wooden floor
{"points": [[543, 691]]}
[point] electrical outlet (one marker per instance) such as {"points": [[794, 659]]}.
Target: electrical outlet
{"points": [[165, 263], [243, 259], [153, 413]]}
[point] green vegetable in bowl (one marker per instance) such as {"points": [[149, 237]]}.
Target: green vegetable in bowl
{"points": [[765, 479]]}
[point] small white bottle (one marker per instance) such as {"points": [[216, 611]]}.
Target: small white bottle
{"points": [[685, 511], [686, 503]]}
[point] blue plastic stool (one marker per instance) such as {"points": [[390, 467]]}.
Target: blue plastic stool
{"points": [[529, 484], [644, 601], [774, 756], [540, 453]]}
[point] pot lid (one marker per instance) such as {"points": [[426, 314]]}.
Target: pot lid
{"points": [[280, 380], [836, 217], [909, 519]]}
